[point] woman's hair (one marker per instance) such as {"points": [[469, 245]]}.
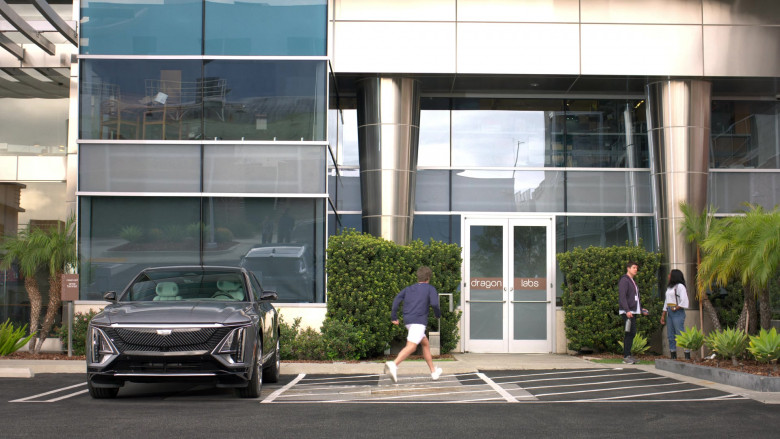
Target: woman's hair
{"points": [[676, 277]]}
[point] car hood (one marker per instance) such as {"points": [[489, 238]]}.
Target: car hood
{"points": [[176, 313]]}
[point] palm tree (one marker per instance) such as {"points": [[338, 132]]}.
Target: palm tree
{"points": [[58, 246], [696, 228], [744, 247], [21, 250]]}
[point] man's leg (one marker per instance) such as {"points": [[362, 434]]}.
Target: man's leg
{"points": [[426, 351], [405, 352]]}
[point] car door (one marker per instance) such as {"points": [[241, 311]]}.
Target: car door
{"points": [[267, 314]]}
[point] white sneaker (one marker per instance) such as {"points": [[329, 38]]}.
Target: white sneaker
{"points": [[392, 370], [436, 374]]}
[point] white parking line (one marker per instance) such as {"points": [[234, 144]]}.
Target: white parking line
{"points": [[572, 378], [643, 394], [27, 399], [507, 396], [276, 394], [613, 388], [592, 383]]}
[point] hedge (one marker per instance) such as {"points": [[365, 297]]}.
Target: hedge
{"points": [[590, 294], [366, 272]]}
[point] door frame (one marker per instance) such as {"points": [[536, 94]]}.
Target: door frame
{"points": [[507, 345]]}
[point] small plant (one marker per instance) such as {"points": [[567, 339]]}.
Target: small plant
{"points": [[766, 346], [12, 339], [728, 343], [300, 344], [223, 234], [691, 339], [80, 323], [155, 235], [343, 341], [175, 233], [194, 230], [131, 233], [639, 346]]}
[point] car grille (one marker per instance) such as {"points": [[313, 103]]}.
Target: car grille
{"points": [[179, 339]]}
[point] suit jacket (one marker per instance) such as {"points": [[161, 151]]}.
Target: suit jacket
{"points": [[627, 294]]}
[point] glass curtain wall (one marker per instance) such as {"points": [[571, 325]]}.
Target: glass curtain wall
{"points": [[186, 157]]}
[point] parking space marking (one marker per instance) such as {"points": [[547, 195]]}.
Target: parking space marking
{"points": [[278, 392], [507, 396], [592, 383], [70, 395], [646, 394]]}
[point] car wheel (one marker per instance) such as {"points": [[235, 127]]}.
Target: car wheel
{"points": [[255, 384], [102, 392], [271, 373]]}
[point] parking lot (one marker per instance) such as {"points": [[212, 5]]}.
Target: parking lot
{"points": [[498, 386]]}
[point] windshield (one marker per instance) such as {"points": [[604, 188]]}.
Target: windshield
{"points": [[186, 285]]}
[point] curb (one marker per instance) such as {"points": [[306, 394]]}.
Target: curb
{"points": [[723, 376], [16, 372]]}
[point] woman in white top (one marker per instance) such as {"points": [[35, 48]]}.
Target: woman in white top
{"points": [[674, 305]]}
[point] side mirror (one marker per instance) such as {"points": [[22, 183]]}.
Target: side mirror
{"points": [[269, 296], [110, 296]]}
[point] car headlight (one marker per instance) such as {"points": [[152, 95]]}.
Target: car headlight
{"points": [[100, 347], [231, 348]]}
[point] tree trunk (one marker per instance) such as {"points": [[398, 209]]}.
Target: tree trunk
{"points": [[711, 312], [55, 301], [34, 293], [748, 320], [765, 307]]}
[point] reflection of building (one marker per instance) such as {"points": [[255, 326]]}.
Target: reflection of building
{"points": [[10, 207], [590, 114]]}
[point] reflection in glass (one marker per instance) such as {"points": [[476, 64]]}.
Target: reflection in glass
{"points": [[485, 277], [444, 228], [138, 27], [265, 100], [432, 191], [745, 135], [20, 133], [267, 27], [609, 192], [434, 149], [507, 191], [498, 138], [530, 321], [729, 191]]}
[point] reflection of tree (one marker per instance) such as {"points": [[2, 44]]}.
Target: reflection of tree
{"points": [[530, 252], [487, 251]]}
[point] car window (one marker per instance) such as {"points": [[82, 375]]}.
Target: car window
{"points": [[256, 288], [193, 285]]}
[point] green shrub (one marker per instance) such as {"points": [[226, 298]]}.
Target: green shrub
{"points": [[175, 233], [727, 343], [639, 346], [223, 235], [766, 346], [365, 273], [298, 344], [12, 339], [131, 233], [691, 339], [194, 230], [80, 323], [155, 235], [343, 341], [590, 294]]}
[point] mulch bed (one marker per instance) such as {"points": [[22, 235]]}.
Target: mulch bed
{"points": [[744, 365]]}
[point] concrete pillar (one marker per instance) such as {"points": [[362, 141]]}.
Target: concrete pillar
{"points": [[388, 136], [678, 117]]}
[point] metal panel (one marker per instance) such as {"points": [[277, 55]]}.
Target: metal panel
{"points": [[394, 47], [502, 48], [395, 10], [741, 12], [611, 49], [742, 51], [549, 11], [646, 11]]}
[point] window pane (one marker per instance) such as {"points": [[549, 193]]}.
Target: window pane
{"points": [[265, 100], [268, 27], [433, 191], [729, 191], [609, 192], [264, 169], [507, 191], [280, 240], [745, 135], [445, 228], [139, 168], [498, 138], [434, 149], [141, 27], [119, 236], [140, 99], [20, 122], [345, 190]]}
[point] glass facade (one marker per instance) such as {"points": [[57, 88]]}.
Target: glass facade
{"points": [[190, 157], [198, 27]]}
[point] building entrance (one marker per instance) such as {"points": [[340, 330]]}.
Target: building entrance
{"points": [[508, 285]]}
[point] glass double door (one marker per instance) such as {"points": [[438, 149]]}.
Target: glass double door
{"points": [[509, 298]]}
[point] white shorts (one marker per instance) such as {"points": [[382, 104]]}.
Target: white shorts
{"points": [[416, 333]]}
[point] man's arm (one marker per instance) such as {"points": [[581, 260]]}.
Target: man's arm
{"points": [[396, 303], [623, 287], [433, 298]]}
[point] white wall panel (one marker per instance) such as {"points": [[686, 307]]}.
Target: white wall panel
{"points": [[741, 12], [8, 167], [518, 48], [641, 50], [551, 11], [643, 11], [51, 168], [395, 10], [394, 47], [742, 50]]}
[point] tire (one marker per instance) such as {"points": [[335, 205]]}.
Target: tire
{"points": [[102, 392], [255, 384], [271, 373]]}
